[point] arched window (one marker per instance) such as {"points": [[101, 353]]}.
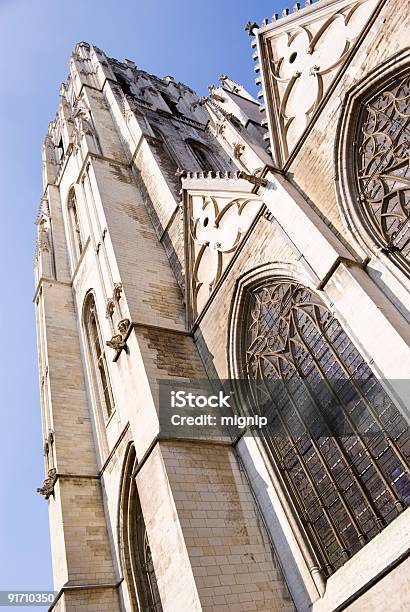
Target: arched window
{"points": [[166, 155], [204, 157], [172, 105], [75, 232], [336, 438], [60, 150], [134, 545], [124, 84], [101, 378], [383, 167]]}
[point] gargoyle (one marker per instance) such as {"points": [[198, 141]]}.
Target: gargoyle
{"points": [[48, 485], [116, 342], [251, 178], [123, 326]]}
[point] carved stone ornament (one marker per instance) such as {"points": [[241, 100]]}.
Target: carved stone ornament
{"points": [[116, 343], [49, 151], [123, 326], [76, 140], [48, 485], [199, 102], [214, 93], [82, 118], [109, 311], [250, 27], [252, 178], [180, 173], [238, 150], [217, 227], [43, 215], [117, 291], [304, 59], [43, 242], [220, 128]]}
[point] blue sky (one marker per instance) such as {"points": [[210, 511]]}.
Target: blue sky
{"points": [[192, 41]]}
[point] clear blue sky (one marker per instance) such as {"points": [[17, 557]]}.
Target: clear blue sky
{"points": [[194, 42]]}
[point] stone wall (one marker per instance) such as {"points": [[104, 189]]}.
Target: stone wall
{"points": [[222, 537]]}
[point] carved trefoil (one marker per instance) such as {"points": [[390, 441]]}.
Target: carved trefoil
{"points": [[216, 226], [301, 56]]}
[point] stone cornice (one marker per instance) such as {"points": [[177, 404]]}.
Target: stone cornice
{"points": [[78, 587], [80, 259], [113, 450], [90, 155], [134, 325], [54, 281]]}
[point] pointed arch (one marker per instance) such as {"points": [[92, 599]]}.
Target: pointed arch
{"points": [[204, 157], [74, 226], [334, 436], [101, 381], [134, 545], [372, 156], [165, 153], [124, 83], [171, 103]]}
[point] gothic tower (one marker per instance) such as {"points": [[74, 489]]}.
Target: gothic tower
{"points": [[185, 239]]}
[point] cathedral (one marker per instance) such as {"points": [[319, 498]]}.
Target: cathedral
{"points": [[261, 243]]}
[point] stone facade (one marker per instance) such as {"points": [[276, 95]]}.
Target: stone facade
{"points": [[162, 214]]}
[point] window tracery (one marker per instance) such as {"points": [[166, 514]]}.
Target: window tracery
{"points": [[383, 168], [217, 227], [338, 441]]}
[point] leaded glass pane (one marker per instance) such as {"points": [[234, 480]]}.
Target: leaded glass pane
{"points": [[338, 440], [383, 169]]}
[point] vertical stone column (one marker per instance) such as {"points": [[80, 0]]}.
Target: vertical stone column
{"points": [[376, 327]]}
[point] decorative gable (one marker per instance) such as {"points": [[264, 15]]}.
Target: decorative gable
{"points": [[219, 213], [301, 56]]}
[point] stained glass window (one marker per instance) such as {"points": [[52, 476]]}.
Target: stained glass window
{"points": [[383, 168], [337, 439]]}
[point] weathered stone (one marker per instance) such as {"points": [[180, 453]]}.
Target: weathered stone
{"points": [[160, 206]]}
